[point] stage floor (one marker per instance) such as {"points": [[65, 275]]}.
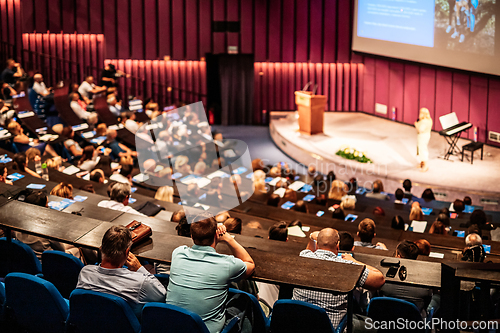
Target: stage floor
{"points": [[392, 148]]}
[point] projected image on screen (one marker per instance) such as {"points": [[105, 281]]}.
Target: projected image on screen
{"points": [[465, 25], [451, 33]]}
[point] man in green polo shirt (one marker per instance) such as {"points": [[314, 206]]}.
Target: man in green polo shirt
{"points": [[200, 277]]}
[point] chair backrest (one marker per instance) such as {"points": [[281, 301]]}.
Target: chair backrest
{"points": [[62, 269], [35, 304], [260, 321], [2, 300], [17, 257], [390, 309], [92, 311], [296, 316], [156, 317]]}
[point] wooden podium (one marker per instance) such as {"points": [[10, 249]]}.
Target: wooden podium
{"points": [[311, 108]]}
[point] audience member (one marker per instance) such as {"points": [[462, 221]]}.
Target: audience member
{"points": [[117, 149], [424, 247], [71, 144], [89, 158], [63, 190], [445, 210], [78, 109], [21, 162], [346, 241], [377, 190], [115, 107], [88, 88], [222, 216], [3, 175], [55, 163], [19, 137], [134, 283], [101, 130], [254, 225], [233, 225], [419, 296], [128, 120], [467, 201], [378, 211], [301, 206], [97, 175], [458, 206], [125, 175], [337, 190], [439, 226], [273, 200], [183, 228], [416, 213], [40, 88], [119, 198], [279, 232], [399, 195], [200, 277], [474, 250], [324, 245], [338, 213], [110, 74], [407, 185], [178, 215], [348, 202], [366, 233], [12, 73], [398, 223], [165, 193], [428, 195]]}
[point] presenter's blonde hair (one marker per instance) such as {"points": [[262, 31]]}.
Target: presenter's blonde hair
{"points": [[425, 112]]}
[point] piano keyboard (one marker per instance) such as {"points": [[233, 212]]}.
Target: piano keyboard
{"points": [[456, 129]]}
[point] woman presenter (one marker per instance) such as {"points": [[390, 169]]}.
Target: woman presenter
{"points": [[424, 127]]}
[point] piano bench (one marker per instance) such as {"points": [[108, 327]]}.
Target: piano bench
{"points": [[472, 147]]}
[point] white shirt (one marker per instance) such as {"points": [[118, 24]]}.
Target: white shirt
{"points": [[40, 88], [131, 125], [89, 164], [115, 205], [136, 288], [85, 89], [79, 111], [115, 109]]}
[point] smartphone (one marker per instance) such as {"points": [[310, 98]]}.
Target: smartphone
{"points": [[487, 248], [392, 271], [351, 217], [320, 213]]}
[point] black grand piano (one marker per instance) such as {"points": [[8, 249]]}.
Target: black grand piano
{"points": [[452, 134]]}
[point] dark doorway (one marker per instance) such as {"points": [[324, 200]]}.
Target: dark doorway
{"points": [[230, 87]]}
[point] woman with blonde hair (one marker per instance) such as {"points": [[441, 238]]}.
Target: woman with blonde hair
{"points": [[259, 186], [337, 190], [424, 127], [416, 213], [63, 190], [165, 193]]}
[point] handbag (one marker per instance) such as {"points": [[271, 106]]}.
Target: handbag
{"points": [[139, 231]]}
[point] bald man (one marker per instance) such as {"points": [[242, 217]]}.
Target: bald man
{"points": [[39, 86], [324, 245], [118, 150]]}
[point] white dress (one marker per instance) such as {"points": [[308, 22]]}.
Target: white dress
{"points": [[424, 127]]}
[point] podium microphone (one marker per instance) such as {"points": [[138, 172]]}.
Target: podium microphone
{"points": [[307, 86]]}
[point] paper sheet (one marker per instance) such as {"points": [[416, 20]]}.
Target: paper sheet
{"points": [[280, 192], [436, 255], [419, 226], [71, 170], [296, 185], [296, 231]]}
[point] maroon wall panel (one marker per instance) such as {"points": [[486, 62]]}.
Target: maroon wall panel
{"points": [[478, 106], [410, 102], [109, 7], [219, 14], [124, 38], [347, 86], [178, 21], [274, 45], [288, 26], [382, 84], [28, 17], [329, 31], [344, 31], [493, 103], [316, 30], [137, 30], [301, 30], [41, 14], [260, 29], [246, 26], [443, 96], [150, 30], [396, 87], [460, 101], [340, 79], [82, 17], [67, 16], [4, 16], [55, 11], [96, 21], [232, 7], [427, 88], [164, 33]]}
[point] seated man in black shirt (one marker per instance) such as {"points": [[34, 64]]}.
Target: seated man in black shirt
{"points": [[110, 74], [12, 72]]}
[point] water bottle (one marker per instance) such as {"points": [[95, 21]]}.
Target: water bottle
{"points": [[393, 113], [38, 166], [45, 172], [475, 134]]}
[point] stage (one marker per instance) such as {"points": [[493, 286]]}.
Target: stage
{"points": [[392, 148]]}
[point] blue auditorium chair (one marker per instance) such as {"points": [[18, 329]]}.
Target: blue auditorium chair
{"points": [[390, 309], [167, 318], [91, 311], [62, 269], [34, 304], [292, 316], [17, 257], [2, 301], [260, 321]]}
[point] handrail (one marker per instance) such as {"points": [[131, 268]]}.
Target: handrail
{"points": [[52, 68]]}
